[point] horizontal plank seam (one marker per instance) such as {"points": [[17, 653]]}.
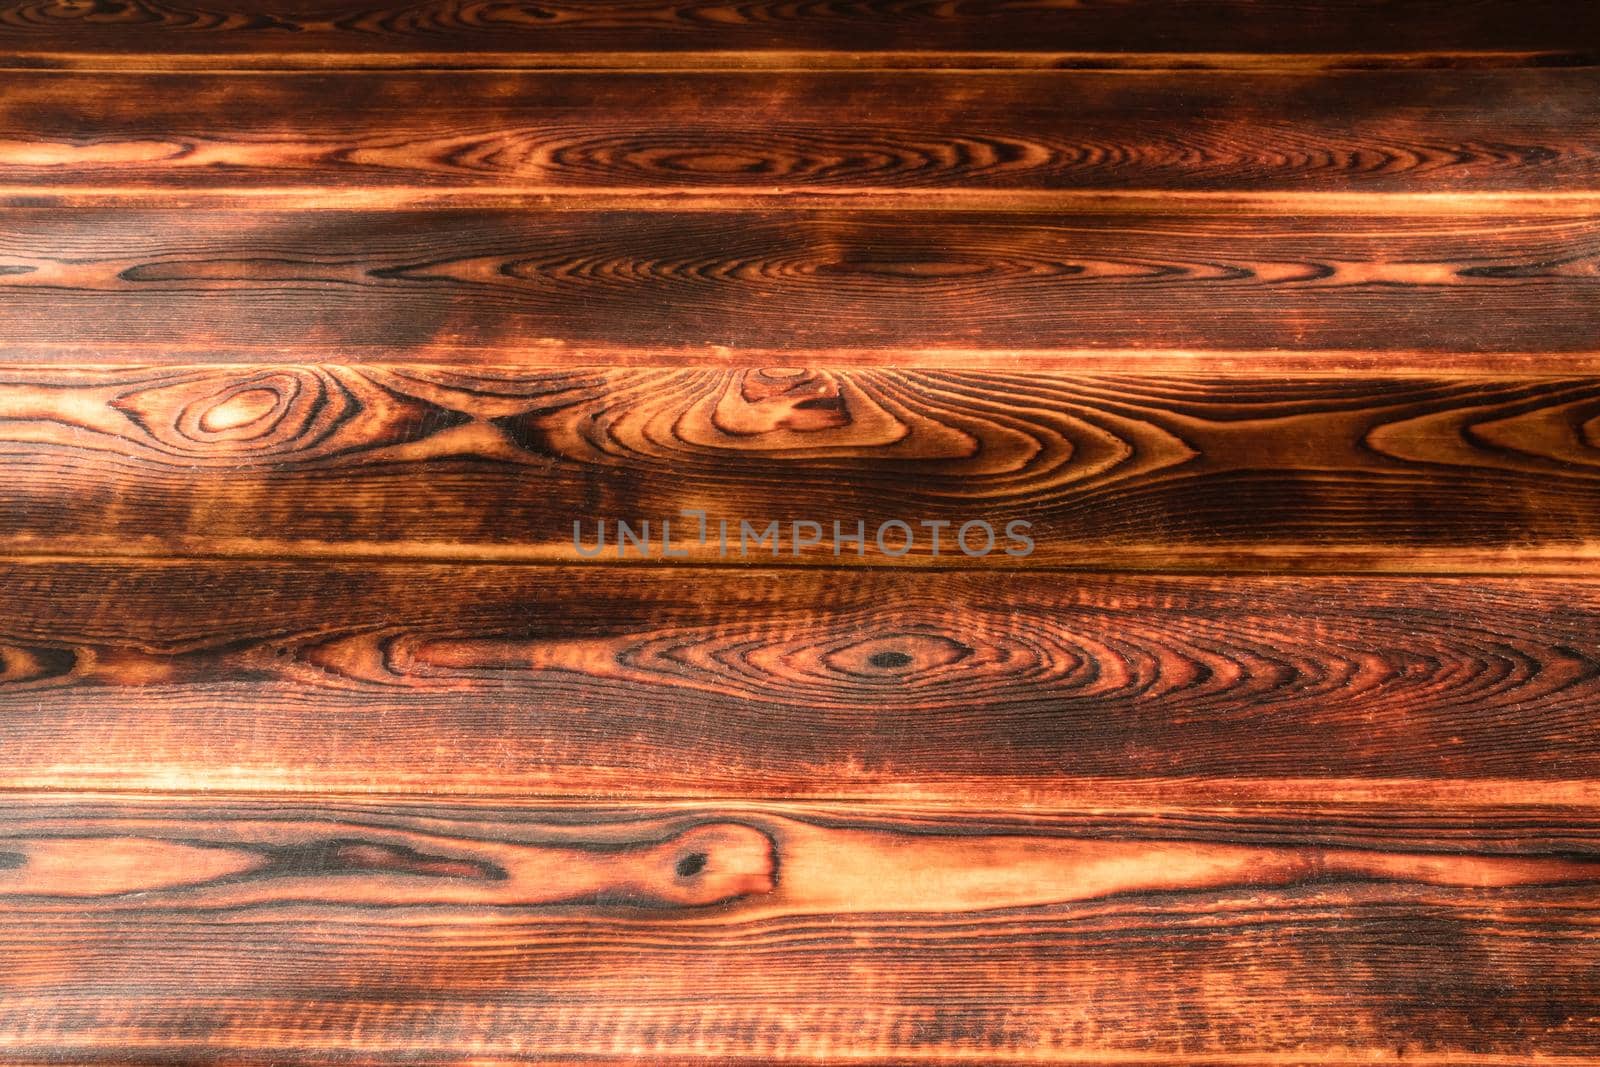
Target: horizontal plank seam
{"points": [[1089, 1057], [1582, 564], [1144, 202], [929, 61], [1383, 795], [1137, 365]]}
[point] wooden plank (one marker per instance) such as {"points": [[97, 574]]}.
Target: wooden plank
{"points": [[1241, 472], [530, 287], [999, 687], [850, 134], [170, 929], [269, 33]]}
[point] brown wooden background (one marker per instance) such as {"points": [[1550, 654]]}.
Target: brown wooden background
{"points": [[321, 323]]}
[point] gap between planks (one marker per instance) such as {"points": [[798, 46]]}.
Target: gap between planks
{"points": [[1565, 563], [1085, 796], [1086, 1058], [1142, 202], [778, 61], [1083, 1058], [1111, 797], [535, 355]]}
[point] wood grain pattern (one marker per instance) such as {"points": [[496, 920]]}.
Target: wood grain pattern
{"points": [[281, 33], [634, 682], [851, 134], [1248, 472], [1273, 323], [517, 287], [220, 930]]}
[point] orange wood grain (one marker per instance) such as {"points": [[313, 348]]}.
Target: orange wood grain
{"points": [[1007, 288], [1434, 473], [321, 322], [861, 136], [952, 687], [321, 930]]}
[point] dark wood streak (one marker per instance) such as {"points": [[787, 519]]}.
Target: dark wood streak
{"points": [[778, 132], [700, 865], [1005, 686], [1412, 474], [1178, 933], [134, 285], [278, 32]]}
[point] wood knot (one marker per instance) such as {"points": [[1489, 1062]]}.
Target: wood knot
{"points": [[778, 399], [228, 417], [715, 863], [896, 656]]}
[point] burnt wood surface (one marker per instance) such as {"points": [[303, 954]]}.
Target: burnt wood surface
{"points": [[222, 930], [1037, 687], [323, 321], [854, 135], [916, 32], [275, 34], [1402, 474], [99, 285]]}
